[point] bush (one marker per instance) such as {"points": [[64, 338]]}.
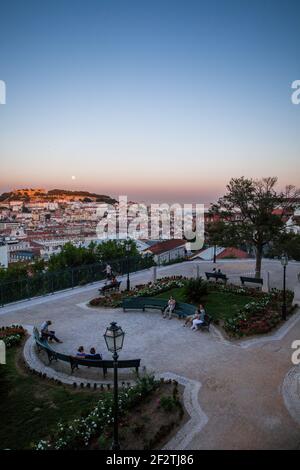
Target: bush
{"points": [[195, 289], [168, 403]]}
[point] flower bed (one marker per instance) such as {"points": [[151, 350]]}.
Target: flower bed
{"points": [[78, 434], [114, 300], [259, 316], [12, 335]]}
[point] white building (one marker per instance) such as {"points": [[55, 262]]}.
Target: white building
{"points": [[167, 251], [3, 256]]}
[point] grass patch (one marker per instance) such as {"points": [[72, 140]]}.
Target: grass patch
{"points": [[30, 407], [219, 305]]}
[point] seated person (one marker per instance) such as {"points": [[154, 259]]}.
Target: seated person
{"points": [[46, 334], [93, 355], [80, 352], [169, 308], [113, 280], [198, 321], [190, 318]]}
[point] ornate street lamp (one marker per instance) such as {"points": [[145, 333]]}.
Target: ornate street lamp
{"points": [[284, 262], [114, 338]]}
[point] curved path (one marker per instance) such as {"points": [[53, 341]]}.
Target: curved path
{"points": [[241, 387]]}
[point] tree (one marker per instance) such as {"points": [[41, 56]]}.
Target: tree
{"points": [[215, 235], [288, 243], [72, 256], [250, 212], [115, 249]]}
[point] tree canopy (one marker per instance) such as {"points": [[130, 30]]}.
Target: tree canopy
{"points": [[253, 212]]}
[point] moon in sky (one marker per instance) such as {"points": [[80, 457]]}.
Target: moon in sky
{"points": [[73, 177]]}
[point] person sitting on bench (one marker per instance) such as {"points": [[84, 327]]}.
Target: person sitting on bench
{"points": [[200, 320], [80, 352], [46, 334], [169, 308], [113, 281], [93, 355], [215, 271], [190, 318]]}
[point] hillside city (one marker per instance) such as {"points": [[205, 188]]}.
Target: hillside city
{"points": [[35, 224]]}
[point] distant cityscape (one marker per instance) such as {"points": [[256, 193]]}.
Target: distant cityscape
{"points": [[35, 224]]}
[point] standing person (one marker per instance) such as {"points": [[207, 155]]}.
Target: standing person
{"points": [[170, 308], [108, 271], [46, 334]]}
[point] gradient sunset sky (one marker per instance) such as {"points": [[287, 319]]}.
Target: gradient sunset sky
{"points": [[160, 100]]}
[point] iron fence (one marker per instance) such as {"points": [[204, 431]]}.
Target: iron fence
{"points": [[53, 281]]}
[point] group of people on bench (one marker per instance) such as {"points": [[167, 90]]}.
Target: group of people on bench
{"points": [[49, 335], [194, 321], [217, 271], [91, 355]]}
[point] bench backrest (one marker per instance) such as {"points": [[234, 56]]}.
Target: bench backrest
{"points": [[254, 280], [115, 285], [140, 302], [106, 364], [216, 275], [36, 333], [73, 360]]}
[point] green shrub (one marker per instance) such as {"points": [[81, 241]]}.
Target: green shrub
{"points": [[195, 289], [103, 442], [168, 403]]}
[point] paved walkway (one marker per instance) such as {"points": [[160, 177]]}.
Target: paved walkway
{"points": [[241, 387]]}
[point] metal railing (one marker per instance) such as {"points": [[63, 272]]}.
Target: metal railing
{"points": [[53, 281]]}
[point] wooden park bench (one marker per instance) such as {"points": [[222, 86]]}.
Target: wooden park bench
{"points": [[253, 280], [112, 287], [75, 361], [142, 303], [217, 276], [206, 324]]}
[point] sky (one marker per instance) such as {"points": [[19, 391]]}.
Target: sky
{"points": [[160, 100]]}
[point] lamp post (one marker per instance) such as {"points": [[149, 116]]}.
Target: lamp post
{"points": [[284, 262], [128, 250], [114, 338], [215, 253]]}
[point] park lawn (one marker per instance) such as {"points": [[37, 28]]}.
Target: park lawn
{"points": [[31, 407], [219, 305]]}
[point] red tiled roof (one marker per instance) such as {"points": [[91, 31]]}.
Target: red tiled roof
{"points": [[167, 245], [234, 252]]}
